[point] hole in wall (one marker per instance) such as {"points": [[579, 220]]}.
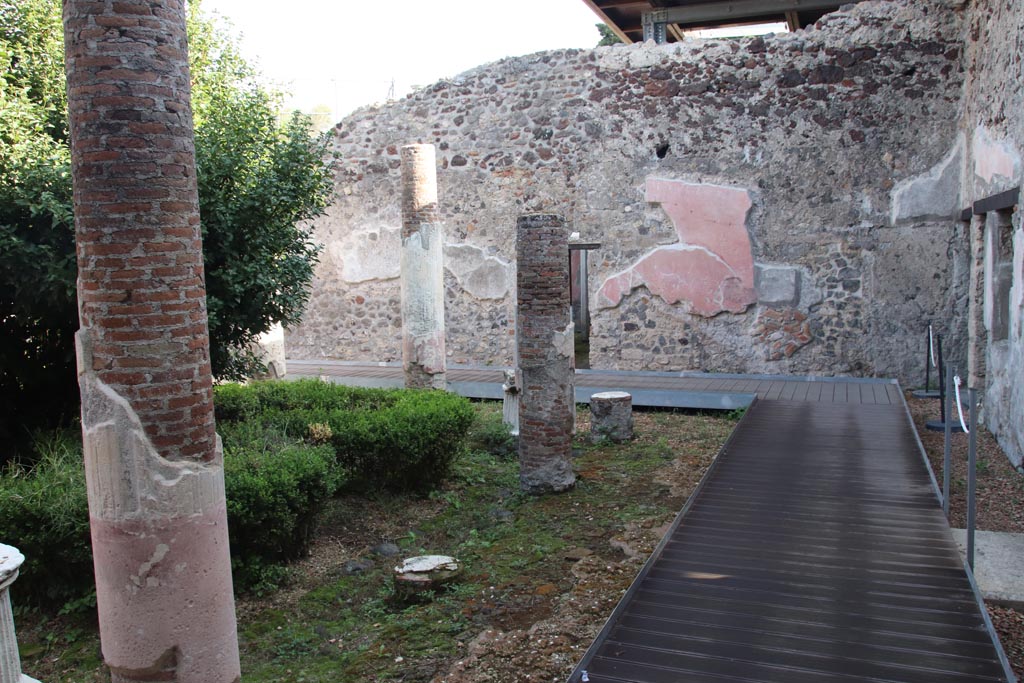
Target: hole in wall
{"points": [[662, 150]]}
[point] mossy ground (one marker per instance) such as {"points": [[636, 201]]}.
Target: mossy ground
{"points": [[551, 565]]}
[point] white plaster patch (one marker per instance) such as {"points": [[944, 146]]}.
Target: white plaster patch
{"points": [[994, 159], [366, 253], [125, 475], [481, 275], [935, 193], [159, 553], [563, 341]]}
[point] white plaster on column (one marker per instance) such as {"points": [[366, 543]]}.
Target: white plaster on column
{"points": [[562, 340], [10, 661], [160, 546], [422, 262]]}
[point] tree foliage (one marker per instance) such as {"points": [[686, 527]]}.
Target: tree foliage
{"points": [[260, 178], [608, 36]]}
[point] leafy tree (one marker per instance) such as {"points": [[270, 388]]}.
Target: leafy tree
{"points": [[260, 179], [608, 36]]}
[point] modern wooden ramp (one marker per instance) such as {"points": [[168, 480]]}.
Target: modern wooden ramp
{"points": [[814, 551], [663, 389]]}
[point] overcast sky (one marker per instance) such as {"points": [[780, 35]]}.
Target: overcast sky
{"points": [[345, 53]]}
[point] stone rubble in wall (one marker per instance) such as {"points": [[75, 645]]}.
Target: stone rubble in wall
{"points": [[814, 123]]}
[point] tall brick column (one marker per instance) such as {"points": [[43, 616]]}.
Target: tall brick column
{"points": [[152, 456], [422, 271], [544, 354]]}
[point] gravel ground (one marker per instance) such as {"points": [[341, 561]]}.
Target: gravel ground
{"points": [[1000, 504]]}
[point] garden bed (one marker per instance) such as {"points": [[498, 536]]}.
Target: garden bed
{"points": [[541, 574]]}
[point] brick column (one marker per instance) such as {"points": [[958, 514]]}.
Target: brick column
{"points": [[544, 354], [422, 271], [152, 456]]}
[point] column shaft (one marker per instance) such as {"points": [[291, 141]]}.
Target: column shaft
{"points": [[152, 456], [422, 271], [544, 354]]}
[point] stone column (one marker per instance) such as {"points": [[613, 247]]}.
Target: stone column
{"points": [[10, 660], [422, 268], [544, 354], [152, 457]]}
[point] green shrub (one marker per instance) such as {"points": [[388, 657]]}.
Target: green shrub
{"points": [[275, 486], [275, 492], [44, 512], [399, 439]]}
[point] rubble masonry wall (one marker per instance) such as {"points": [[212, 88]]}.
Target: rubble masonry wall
{"points": [[776, 204]]}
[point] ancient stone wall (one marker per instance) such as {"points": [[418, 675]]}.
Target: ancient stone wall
{"points": [[776, 204], [993, 129]]}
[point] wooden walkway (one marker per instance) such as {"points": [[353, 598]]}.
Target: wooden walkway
{"points": [[814, 551], [663, 389]]}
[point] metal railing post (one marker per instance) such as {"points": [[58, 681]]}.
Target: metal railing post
{"points": [[972, 449], [947, 447]]}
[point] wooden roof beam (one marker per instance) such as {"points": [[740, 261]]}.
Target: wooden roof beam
{"points": [[608, 22]]}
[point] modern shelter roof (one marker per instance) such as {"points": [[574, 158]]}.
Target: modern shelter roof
{"points": [[625, 17]]}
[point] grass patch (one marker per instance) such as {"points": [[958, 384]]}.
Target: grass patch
{"points": [[555, 564]]}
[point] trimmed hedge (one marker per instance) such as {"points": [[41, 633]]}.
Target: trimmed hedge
{"points": [[399, 439], [288, 446], [275, 490]]}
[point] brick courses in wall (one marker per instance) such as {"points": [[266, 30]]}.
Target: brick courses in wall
{"points": [[822, 132], [152, 456], [544, 354]]}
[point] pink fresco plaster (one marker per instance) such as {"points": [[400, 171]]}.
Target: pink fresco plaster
{"points": [[711, 269], [993, 159], [143, 570]]}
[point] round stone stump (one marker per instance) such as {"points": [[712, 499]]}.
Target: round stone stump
{"points": [[611, 416], [419, 578]]}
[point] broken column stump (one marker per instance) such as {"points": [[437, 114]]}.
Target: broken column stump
{"points": [[419, 578], [611, 416], [153, 461], [10, 661], [544, 354], [422, 271]]}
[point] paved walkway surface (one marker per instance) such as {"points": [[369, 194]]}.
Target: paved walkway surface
{"points": [[998, 564], [664, 389]]}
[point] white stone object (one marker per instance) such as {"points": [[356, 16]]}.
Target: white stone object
{"points": [[510, 404], [10, 662], [428, 563], [611, 416]]}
